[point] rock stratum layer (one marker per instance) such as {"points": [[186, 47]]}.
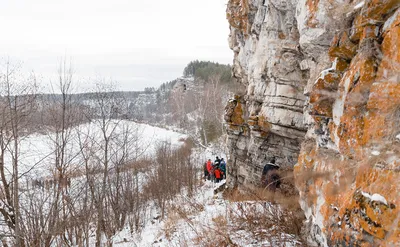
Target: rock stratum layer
{"points": [[323, 91]]}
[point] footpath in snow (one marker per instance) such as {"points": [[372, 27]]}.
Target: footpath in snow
{"points": [[207, 219]]}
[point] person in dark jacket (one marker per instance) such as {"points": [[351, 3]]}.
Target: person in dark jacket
{"points": [[217, 161], [222, 166], [270, 177]]}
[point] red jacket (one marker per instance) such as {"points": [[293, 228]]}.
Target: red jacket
{"points": [[209, 166], [217, 173]]}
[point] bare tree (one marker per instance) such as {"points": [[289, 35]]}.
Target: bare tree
{"points": [[17, 103], [205, 105], [62, 118], [107, 107]]}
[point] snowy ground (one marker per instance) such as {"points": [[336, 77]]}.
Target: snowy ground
{"points": [[196, 222], [181, 229]]}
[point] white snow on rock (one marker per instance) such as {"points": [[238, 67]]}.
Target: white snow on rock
{"points": [[375, 197], [375, 152], [324, 73], [359, 5], [398, 137], [391, 20]]}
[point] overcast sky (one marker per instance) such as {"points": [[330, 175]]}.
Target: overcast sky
{"points": [[138, 43]]}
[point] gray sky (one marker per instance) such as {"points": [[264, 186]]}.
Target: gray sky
{"points": [[138, 43]]}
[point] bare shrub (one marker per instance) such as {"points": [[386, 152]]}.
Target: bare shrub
{"points": [[170, 224], [173, 171], [276, 223]]}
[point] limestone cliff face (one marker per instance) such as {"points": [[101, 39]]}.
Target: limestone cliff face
{"points": [[323, 91], [268, 120]]}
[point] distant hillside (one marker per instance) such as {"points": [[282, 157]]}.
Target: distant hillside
{"points": [[205, 69], [193, 103]]}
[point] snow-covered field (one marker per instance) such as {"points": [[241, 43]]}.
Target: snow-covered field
{"points": [[37, 150]]}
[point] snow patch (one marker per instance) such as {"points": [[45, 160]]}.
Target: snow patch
{"points": [[375, 152], [398, 137], [375, 197], [337, 111], [319, 218], [390, 21], [359, 5], [327, 71]]}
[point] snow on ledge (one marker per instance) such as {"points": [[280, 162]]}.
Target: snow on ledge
{"points": [[375, 152], [375, 197], [359, 5]]}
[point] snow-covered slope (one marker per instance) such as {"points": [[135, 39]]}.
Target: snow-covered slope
{"points": [[207, 219]]}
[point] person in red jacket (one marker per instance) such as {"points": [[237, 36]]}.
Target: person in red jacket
{"points": [[209, 166], [206, 173], [217, 174]]}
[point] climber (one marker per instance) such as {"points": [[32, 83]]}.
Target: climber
{"points": [[205, 169], [222, 166], [217, 161], [217, 174], [270, 177], [209, 166]]}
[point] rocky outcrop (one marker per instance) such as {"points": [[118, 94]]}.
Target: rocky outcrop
{"points": [[324, 76], [348, 169], [268, 120]]}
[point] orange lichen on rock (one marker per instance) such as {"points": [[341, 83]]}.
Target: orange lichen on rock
{"points": [[323, 94], [376, 216], [355, 85], [332, 127], [341, 64], [342, 47], [373, 12], [252, 121], [377, 9], [384, 97], [237, 115], [390, 65], [353, 200], [360, 190], [263, 123], [237, 15], [373, 127], [312, 6], [384, 101], [381, 123]]}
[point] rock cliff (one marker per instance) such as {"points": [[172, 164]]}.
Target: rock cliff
{"points": [[268, 120], [323, 91]]}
